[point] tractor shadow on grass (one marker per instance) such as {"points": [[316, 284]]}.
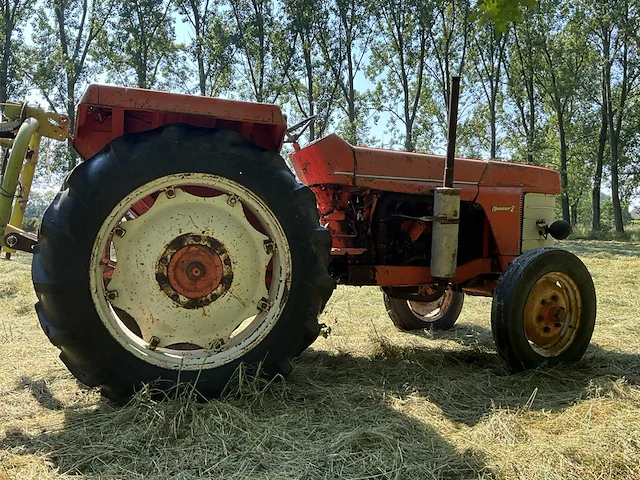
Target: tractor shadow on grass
{"points": [[603, 249], [336, 417], [39, 390], [469, 383], [330, 425]]}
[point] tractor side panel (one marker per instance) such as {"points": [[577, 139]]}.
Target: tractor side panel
{"points": [[503, 208], [502, 194], [105, 113], [538, 207], [497, 187], [530, 178]]}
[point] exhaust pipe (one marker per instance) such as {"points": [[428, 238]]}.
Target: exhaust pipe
{"points": [[446, 202]]}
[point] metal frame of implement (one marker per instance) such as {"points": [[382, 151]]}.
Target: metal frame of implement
{"points": [[21, 134]]}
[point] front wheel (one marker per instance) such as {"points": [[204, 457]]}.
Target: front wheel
{"points": [[176, 255], [440, 314], [544, 309]]}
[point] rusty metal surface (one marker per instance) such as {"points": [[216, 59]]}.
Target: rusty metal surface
{"points": [[143, 318], [332, 160], [105, 113], [389, 275], [17, 239], [339, 172], [158, 101], [194, 270], [347, 251], [52, 125], [155, 258], [318, 162], [435, 309], [424, 293]]}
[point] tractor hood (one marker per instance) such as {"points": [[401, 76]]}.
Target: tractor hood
{"points": [[331, 160]]}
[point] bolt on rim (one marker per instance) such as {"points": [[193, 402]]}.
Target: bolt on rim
{"points": [[190, 271], [552, 314]]}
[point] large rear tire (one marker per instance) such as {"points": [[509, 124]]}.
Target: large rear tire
{"points": [[177, 254], [543, 310]]}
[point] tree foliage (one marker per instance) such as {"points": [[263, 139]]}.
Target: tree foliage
{"points": [[12, 22], [138, 46], [545, 82], [211, 46], [399, 63], [500, 13], [65, 31]]}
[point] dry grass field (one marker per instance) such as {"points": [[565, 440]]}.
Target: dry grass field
{"points": [[367, 402]]}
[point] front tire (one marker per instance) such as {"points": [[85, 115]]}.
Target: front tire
{"points": [[176, 255], [543, 310]]}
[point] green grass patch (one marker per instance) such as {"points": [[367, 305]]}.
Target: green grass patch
{"points": [[631, 233]]}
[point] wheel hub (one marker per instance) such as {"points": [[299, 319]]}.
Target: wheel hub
{"points": [[551, 313], [194, 270]]}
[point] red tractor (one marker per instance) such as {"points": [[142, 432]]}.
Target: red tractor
{"points": [[183, 245]]}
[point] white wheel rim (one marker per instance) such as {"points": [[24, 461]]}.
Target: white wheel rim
{"points": [[177, 330], [432, 311]]}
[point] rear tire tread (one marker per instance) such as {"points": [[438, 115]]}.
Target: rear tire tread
{"points": [[102, 181]]}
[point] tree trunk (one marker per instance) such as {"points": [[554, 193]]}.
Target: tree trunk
{"points": [[532, 121], [492, 126], [351, 100], [201, 75], [310, 93], [141, 69], [199, 53], [597, 179], [614, 135], [71, 112], [613, 146], [408, 140], [563, 166], [574, 214], [4, 74], [615, 186]]}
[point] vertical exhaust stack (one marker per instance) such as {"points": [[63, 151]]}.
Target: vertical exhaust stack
{"points": [[446, 202]]}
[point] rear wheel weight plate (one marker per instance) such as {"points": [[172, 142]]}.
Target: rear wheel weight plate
{"points": [[191, 271]]}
